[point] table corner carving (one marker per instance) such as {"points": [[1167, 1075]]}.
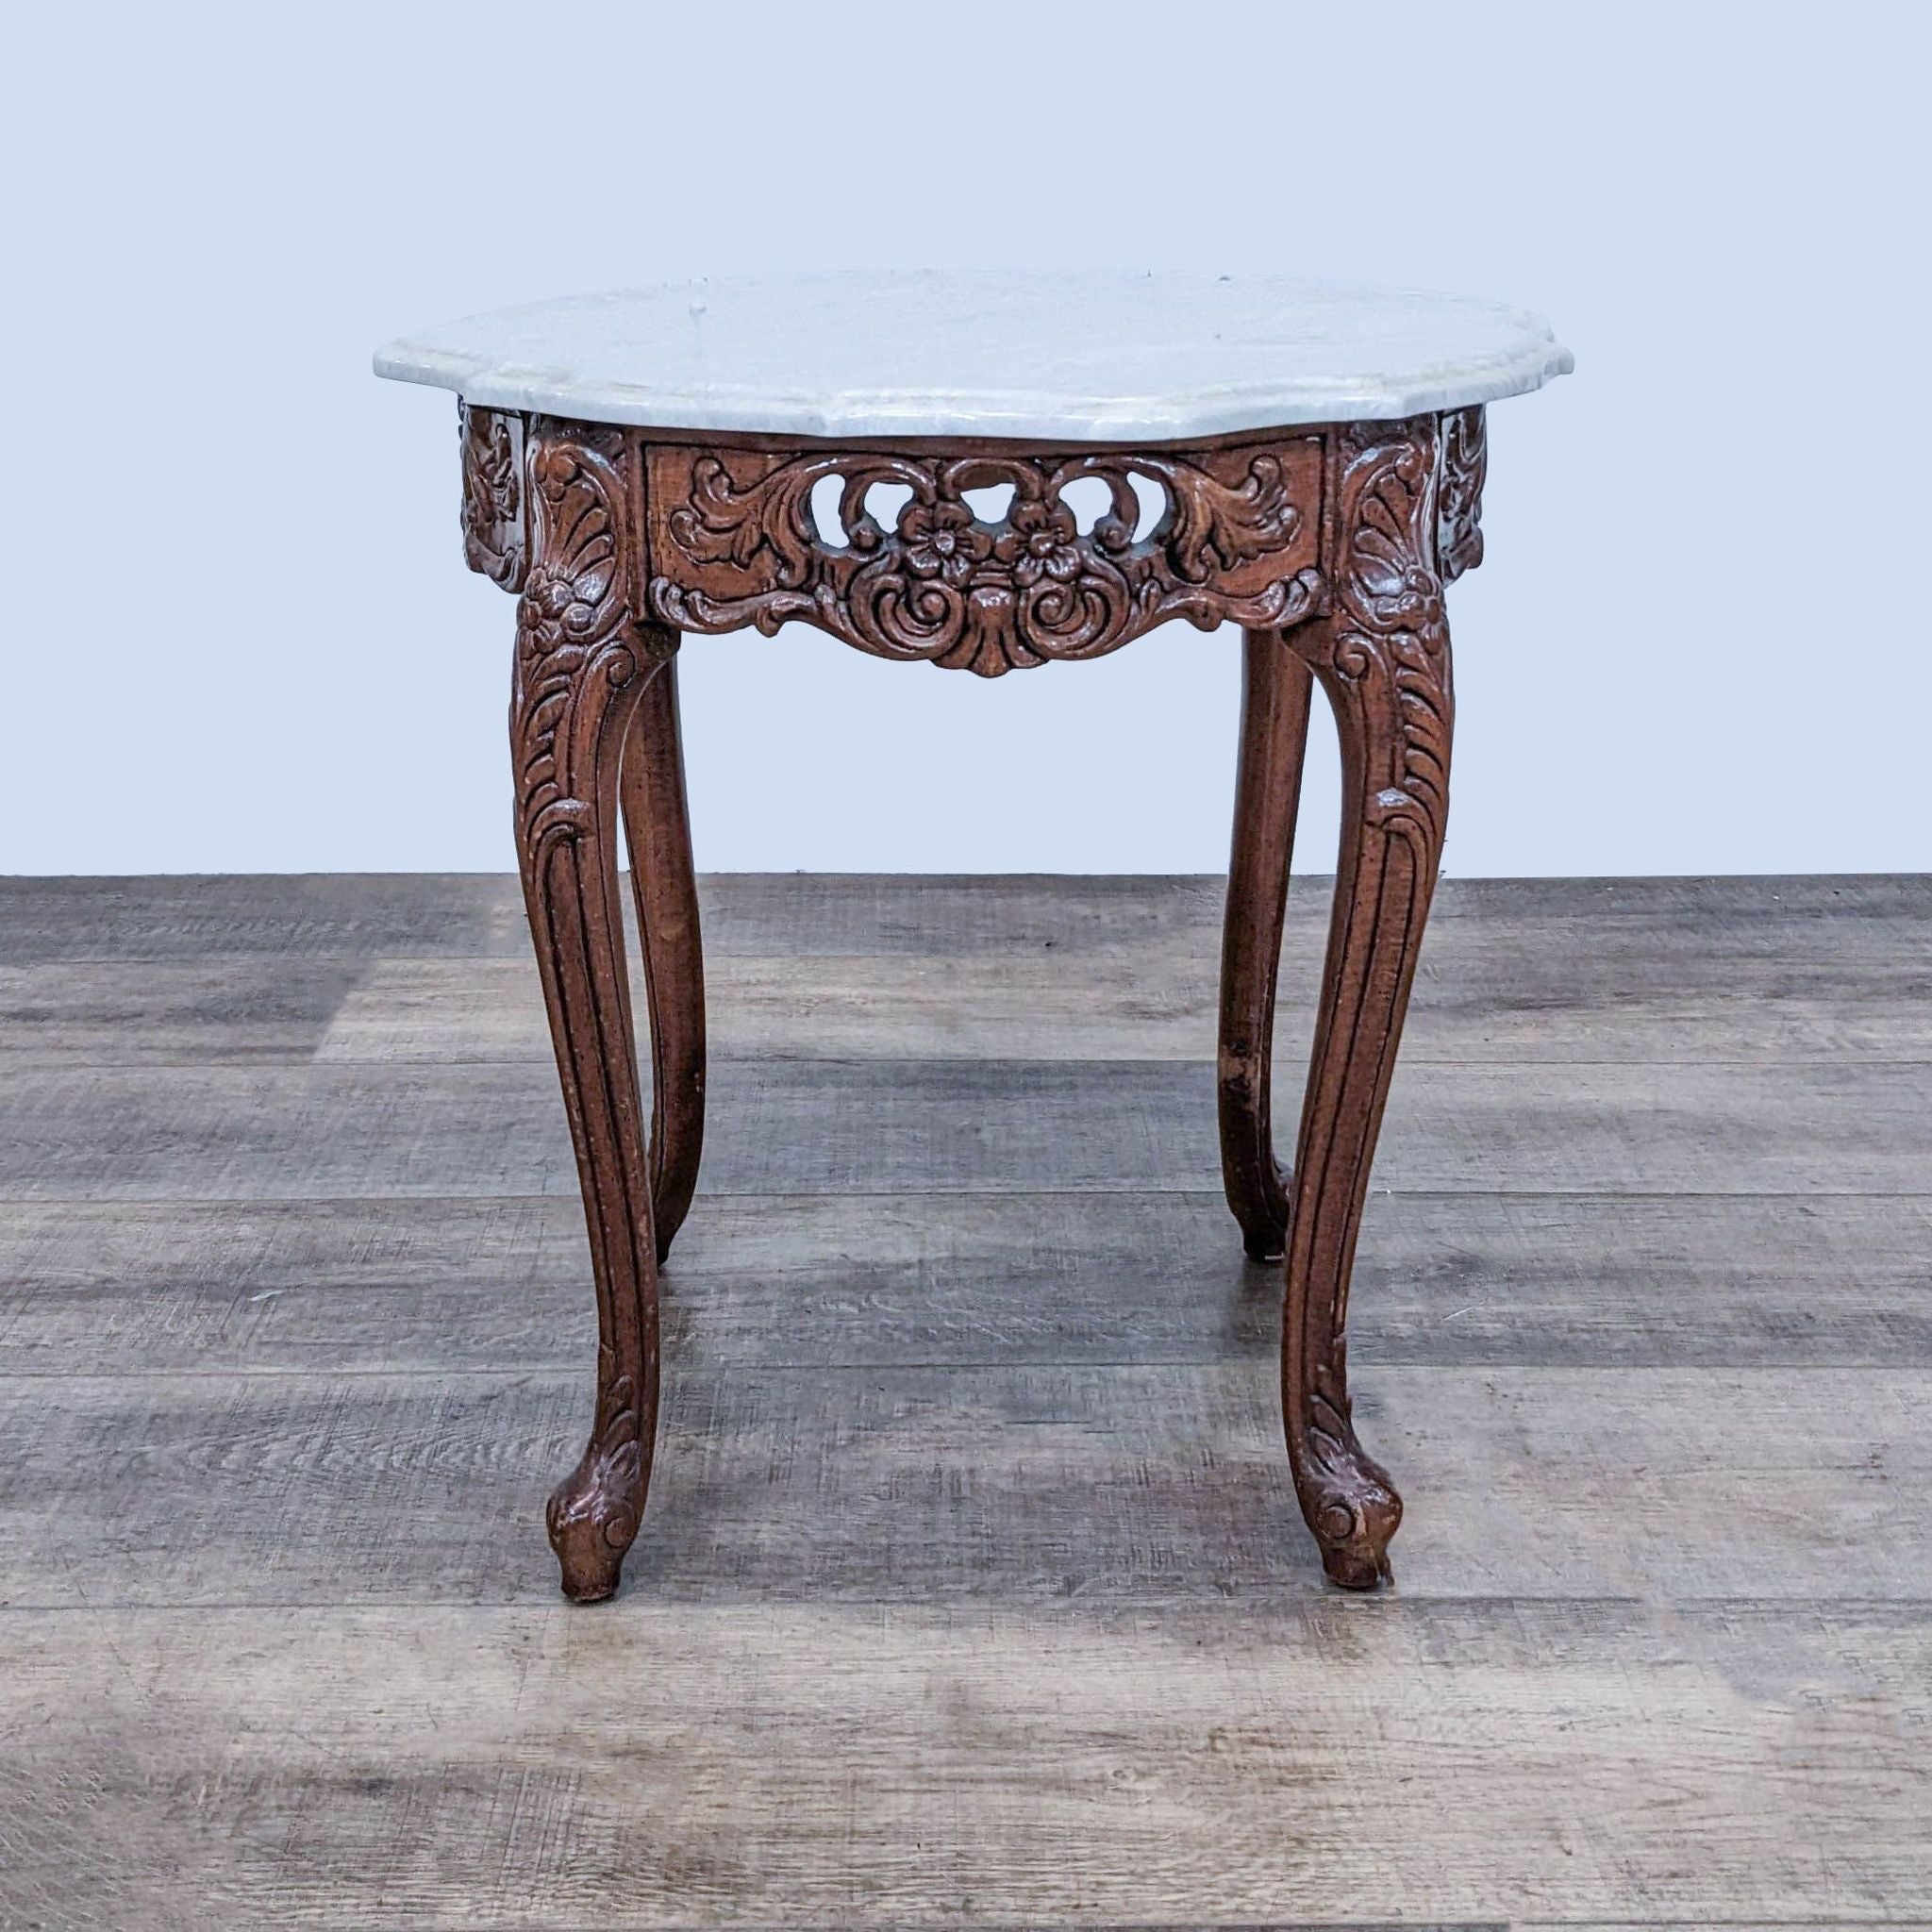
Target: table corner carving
{"points": [[492, 518], [1465, 467]]}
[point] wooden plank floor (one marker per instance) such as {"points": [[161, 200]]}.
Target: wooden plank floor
{"points": [[972, 1590]]}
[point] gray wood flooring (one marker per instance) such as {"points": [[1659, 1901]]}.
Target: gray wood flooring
{"points": [[971, 1591]]}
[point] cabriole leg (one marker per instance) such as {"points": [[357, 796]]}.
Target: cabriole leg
{"points": [[581, 666], [1274, 728], [1383, 658], [656, 824]]}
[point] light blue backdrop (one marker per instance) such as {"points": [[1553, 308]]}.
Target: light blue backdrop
{"points": [[238, 635]]}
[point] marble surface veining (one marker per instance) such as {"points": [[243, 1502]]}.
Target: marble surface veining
{"points": [[1101, 358]]}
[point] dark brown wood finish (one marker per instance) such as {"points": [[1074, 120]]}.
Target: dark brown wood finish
{"points": [[656, 824], [581, 667], [1275, 688], [1328, 545], [735, 538], [1383, 658]]}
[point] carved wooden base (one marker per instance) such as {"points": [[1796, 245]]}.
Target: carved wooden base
{"points": [[1329, 545]]}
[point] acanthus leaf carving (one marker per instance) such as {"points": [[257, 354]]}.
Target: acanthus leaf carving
{"points": [[735, 541], [1389, 634], [577, 640], [1217, 526]]}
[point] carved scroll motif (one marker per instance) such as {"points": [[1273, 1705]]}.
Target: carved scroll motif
{"points": [[734, 541], [1459, 505], [494, 539]]}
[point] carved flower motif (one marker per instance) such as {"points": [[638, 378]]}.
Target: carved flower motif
{"points": [[1419, 605], [1041, 541], [943, 540], [1403, 594]]}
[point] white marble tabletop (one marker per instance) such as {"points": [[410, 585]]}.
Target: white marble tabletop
{"points": [[1083, 356]]}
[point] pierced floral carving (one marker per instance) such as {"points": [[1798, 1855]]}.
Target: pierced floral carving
{"points": [[734, 541], [493, 446], [1459, 506]]}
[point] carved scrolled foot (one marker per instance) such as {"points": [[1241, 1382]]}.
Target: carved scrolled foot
{"points": [[593, 1513], [1352, 1509], [584, 1526]]}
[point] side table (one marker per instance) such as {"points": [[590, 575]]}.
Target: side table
{"points": [[986, 473]]}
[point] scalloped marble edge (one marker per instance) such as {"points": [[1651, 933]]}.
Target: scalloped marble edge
{"points": [[853, 415]]}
